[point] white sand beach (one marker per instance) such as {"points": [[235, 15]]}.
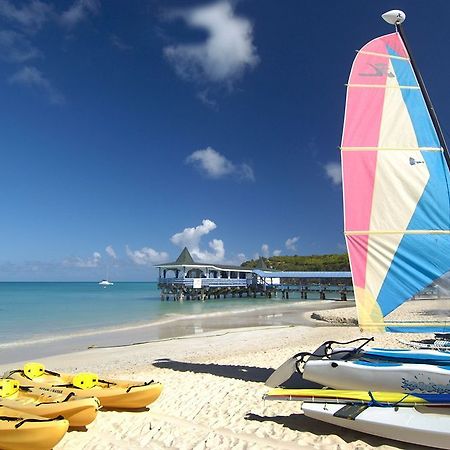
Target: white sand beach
{"points": [[213, 389]]}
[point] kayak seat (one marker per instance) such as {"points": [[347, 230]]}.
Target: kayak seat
{"points": [[33, 370], [85, 380], [8, 387]]}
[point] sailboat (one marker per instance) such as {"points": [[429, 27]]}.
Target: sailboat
{"points": [[105, 282], [396, 184], [396, 188]]}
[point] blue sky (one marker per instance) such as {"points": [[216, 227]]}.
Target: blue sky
{"points": [[130, 129]]}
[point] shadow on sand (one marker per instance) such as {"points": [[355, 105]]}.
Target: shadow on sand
{"points": [[244, 373], [299, 422]]}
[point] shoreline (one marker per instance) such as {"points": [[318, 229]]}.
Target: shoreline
{"points": [[280, 314]]}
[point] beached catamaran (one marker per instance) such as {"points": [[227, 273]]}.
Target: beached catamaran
{"points": [[396, 187], [395, 166]]}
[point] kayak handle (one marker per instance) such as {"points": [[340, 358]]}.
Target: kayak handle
{"points": [[38, 420]]}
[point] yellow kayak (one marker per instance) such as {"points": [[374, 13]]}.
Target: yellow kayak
{"points": [[19, 431], [29, 400], [118, 394], [363, 397]]}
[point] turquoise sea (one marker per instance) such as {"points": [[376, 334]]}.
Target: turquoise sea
{"points": [[30, 311], [43, 317]]}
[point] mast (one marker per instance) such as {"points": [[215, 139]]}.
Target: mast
{"points": [[430, 107]]}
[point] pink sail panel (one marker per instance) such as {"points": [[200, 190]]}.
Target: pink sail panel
{"points": [[362, 130]]}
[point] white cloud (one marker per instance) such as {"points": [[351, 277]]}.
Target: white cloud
{"points": [[30, 16], [217, 255], [227, 52], [276, 252], [190, 238], [214, 165], [15, 47], [146, 256], [78, 12], [111, 252], [33, 78], [241, 258], [265, 250], [333, 172], [92, 261], [291, 243]]}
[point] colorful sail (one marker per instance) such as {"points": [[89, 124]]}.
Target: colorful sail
{"points": [[396, 187]]}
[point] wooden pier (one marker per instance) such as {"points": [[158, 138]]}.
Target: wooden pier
{"points": [[187, 280]]}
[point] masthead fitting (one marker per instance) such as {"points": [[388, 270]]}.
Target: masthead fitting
{"points": [[394, 17]]}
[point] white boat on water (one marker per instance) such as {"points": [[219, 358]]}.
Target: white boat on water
{"points": [[105, 283]]}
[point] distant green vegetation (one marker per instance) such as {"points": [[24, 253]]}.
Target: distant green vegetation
{"points": [[304, 263]]}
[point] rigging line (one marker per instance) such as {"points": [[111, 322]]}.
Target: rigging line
{"points": [[426, 96]]}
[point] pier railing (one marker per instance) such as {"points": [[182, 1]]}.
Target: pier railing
{"points": [[207, 282]]}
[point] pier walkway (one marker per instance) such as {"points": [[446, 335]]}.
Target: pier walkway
{"points": [[186, 279]]}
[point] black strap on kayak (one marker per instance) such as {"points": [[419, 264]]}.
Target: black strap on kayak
{"points": [[109, 383], [10, 419], [50, 372], [25, 388], [72, 394], [38, 420], [11, 372], [8, 374], [52, 402], [139, 385]]}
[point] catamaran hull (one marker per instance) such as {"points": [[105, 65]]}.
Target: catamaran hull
{"points": [[381, 376], [418, 425]]}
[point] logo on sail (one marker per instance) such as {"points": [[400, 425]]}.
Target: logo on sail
{"points": [[379, 70], [413, 161]]}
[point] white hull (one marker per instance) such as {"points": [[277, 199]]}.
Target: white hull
{"points": [[422, 425], [377, 355], [389, 377]]}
